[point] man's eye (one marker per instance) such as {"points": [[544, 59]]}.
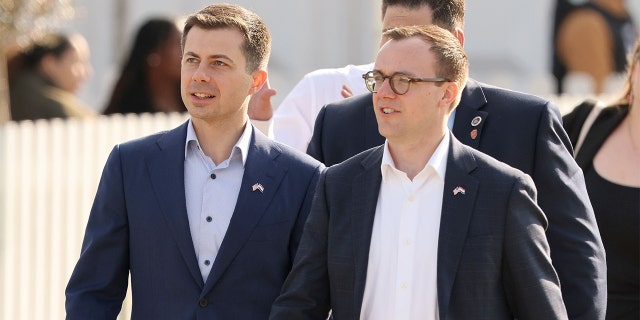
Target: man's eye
{"points": [[403, 79], [219, 63]]}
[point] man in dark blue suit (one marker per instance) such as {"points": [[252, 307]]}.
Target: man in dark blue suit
{"points": [[422, 227], [207, 217], [520, 130]]}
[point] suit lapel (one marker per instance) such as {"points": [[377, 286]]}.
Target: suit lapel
{"points": [[166, 170], [469, 119], [364, 192], [457, 209], [261, 167]]}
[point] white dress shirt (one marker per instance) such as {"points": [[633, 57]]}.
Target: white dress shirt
{"points": [[211, 192], [294, 118], [402, 269]]}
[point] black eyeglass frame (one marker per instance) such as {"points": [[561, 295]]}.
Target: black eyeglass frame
{"points": [[369, 81]]}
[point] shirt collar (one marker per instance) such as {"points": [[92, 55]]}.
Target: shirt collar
{"points": [[242, 145], [438, 160]]}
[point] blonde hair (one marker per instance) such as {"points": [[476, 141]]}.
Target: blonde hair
{"points": [[633, 59]]}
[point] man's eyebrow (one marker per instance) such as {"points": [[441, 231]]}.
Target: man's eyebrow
{"points": [[212, 56]]}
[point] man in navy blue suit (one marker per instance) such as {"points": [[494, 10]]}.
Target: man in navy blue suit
{"points": [[422, 227], [518, 129], [206, 218]]}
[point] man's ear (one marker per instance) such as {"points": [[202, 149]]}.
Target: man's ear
{"points": [[450, 94], [458, 33], [259, 79]]}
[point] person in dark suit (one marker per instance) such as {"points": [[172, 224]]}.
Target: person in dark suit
{"points": [[521, 130], [422, 227], [207, 217]]}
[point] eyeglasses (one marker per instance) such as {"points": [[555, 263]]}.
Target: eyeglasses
{"points": [[400, 83]]}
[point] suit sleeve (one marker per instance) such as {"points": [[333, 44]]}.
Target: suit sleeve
{"points": [[304, 212], [305, 294], [98, 284], [577, 251], [315, 145], [531, 284]]}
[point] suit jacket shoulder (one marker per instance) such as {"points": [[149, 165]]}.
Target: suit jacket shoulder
{"points": [[516, 104], [343, 129]]}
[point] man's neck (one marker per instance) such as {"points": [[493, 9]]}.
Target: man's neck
{"points": [[411, 157], [217, 139]]}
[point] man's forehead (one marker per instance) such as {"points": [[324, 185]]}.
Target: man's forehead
{"points": [[401, 16], [223, 38], [401, 55]]}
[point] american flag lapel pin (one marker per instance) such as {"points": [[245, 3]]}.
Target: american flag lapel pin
{"points": [[459, 190], [258, 186]]}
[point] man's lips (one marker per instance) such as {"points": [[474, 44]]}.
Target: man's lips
{"points": [[200, 95]]}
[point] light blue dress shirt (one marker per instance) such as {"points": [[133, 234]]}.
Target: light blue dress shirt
{"points": [[211, 192]]}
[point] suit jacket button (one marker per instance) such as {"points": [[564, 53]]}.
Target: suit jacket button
{"points": [[203, 302]]}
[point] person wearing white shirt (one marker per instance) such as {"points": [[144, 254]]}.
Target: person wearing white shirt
{"points": [[294, 118], [422, 227]]}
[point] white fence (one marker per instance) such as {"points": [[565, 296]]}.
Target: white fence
{"points": [[49, 172]]}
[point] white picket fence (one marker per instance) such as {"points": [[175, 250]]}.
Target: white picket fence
{"points": [[49, 172]]}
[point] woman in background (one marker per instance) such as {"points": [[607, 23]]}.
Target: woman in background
{"points": [[610, 159], [46, 76], [150, 78]]}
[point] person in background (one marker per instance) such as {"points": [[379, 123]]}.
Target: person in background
{"points": [[294, 118], [150, 77], [608, 151], [46, 77], [593, 38], [521, 130], [422, 227], [205, 218]]}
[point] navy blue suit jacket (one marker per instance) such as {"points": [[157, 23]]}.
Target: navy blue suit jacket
{"points": [[139, 224], [524, 132], [493, 257]]}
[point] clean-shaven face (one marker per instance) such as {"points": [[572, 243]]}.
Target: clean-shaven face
{"points": [[214, 83], [411, 116]]}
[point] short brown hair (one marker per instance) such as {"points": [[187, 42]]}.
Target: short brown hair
{"points": [[257, 45], [447, 14]]}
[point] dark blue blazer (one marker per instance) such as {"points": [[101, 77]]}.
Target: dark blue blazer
{"points": [[493, 258], [525, 132], [138, 224]]}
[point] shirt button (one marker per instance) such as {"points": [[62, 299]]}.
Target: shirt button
{"points": [[213, 176], [209, 219], [410, 198], [203, 302], [207, 262]]}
